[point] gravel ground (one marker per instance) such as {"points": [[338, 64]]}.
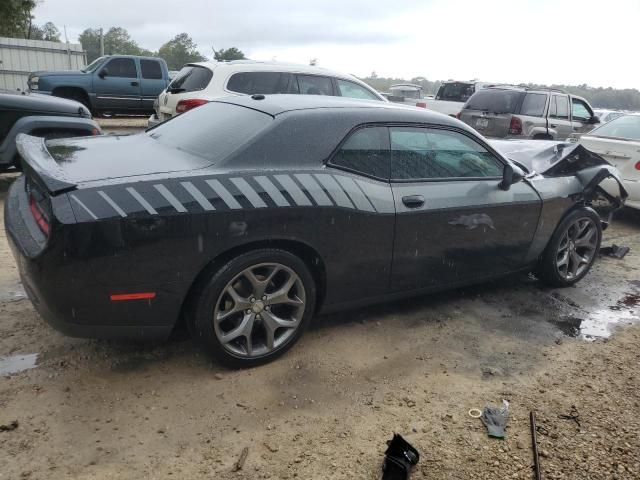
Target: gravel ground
{"points": [[117, 410]]}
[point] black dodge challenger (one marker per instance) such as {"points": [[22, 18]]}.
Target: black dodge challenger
{"points": [[249, 215]]}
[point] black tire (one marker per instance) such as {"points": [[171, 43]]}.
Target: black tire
{"points": [[211, 290], [547, 269], [76, 95]]}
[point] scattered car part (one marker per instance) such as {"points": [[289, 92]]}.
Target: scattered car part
{"points": [[241, 460], [475, 413], [399, 459], [572, 415], [495, 419], [534, 444], [615, 251]]}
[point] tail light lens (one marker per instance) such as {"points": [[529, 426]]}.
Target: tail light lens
{"points": [[421, 105], [637, 165], [191, 103], [515, 127], [458, 115], [39, 215]]}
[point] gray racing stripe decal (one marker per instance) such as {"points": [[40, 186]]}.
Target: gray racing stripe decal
{"points": [[334, 190], [142, 201], [83, 206], [355, 194], [224, 194], [169, 197], [314, 189], [198, 196], [294, 190], [272, 191], [248, 192], [113, 204], [379, 195]]}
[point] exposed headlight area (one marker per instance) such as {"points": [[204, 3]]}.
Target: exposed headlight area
{"points": [[33, 82]]}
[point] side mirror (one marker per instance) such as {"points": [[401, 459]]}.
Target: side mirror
{"points": [[511, 174], [103, 73], [594, 120]]}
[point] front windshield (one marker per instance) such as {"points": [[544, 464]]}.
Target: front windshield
{"points": [[93, 65], [627, 127]]}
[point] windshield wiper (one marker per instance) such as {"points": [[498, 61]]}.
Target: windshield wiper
{"points": [[177, 90]]}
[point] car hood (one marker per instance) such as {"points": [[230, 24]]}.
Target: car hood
{"points": [[60, 73], [44, 104]]}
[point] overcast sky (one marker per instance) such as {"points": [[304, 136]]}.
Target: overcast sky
{"points": [[541, 41]]}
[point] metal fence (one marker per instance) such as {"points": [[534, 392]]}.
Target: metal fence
{"points": [[19, 57]]}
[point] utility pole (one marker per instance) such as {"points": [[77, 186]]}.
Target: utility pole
{"points": [[101, 43], [66, 39]]}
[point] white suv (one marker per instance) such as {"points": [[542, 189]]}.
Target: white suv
{"points": [[198, 83]]}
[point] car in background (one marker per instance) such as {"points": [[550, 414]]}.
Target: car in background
{"points": [[199, 83], [126, 84], [618, 142], [40, 116], [407, 94], [607, 115], [251, 214], [452, 95], [520, 112]]}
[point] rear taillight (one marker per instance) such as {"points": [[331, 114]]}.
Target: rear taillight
{"points": [[95, 131], [458, 115], [186, 105], [637, 165], [421, 105], [515, 127], [39, 216]]}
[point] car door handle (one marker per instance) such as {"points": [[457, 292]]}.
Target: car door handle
{"points": [[134, 84], [413, 201], [553, 126]]}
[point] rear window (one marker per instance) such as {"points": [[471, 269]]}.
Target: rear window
{"points": [[151, 69], [191, 78], [262, 82], [212, 131], [627, 126], [494, 101], [455, 92], [533, 104]]}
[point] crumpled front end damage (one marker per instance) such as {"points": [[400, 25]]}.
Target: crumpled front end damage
{"points": [[598, 182]]}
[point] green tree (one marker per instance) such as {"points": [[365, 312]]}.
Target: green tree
{"points": [[48, 32], [117, 41], [229, 54], [180, 50], [16, 18]]}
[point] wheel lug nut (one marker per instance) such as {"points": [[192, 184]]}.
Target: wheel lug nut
{"points": [[264, 297], [259, 317], [268, 308], [252, 299], [248, 311]]}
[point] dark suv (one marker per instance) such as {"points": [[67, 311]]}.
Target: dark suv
{"points": [[40, 116], [517, 112]]}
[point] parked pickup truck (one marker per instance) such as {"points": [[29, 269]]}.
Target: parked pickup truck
{"points": [[110, 84]]}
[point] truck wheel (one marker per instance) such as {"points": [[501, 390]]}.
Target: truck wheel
{"points": [[572, 249], [253, 308], [73, 94]]}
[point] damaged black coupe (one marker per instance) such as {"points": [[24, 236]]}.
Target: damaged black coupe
{"points": [[247, 216]]}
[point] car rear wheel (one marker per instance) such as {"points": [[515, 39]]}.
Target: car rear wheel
{"points": [[572, 248], [254, 308]]}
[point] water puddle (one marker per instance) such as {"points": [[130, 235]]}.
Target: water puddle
{"points": [[601, 323], [17, 363]]}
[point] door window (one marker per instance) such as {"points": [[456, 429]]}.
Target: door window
{"points": [[314, 85], [353, 90], [151, 69], [579, 110], [562, 107], [366, 151], [533, 104], [122, 67], [422, 153], [262, 82]]}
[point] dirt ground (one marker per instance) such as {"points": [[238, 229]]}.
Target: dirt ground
{"points": [[114, 410]]}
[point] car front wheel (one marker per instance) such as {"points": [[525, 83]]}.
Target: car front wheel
{"points": [[254, 308]]}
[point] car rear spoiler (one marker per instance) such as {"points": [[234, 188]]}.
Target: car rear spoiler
{"points": [[40, 165]]}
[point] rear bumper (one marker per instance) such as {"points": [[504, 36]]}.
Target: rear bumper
{"points": [[633, 187], [64, 294]]}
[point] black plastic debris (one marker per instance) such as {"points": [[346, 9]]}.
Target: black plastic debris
{"points": [[495, 419], [399, 458], [614, 251]]}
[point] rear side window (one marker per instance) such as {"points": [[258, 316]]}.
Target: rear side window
{"points": [[212, 131], [191, 78], [366, 151], [122, 67], [262, 82], [151, 69], [455, 92], [533, 104], [314, 85], [353, 90], [559, 107], [421, 153], [494, 101]]}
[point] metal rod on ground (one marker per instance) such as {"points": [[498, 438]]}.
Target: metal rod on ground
{"points": [[534, 442]]}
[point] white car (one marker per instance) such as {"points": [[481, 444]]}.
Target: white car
{"points": [[618, 142], [198, 83], [607, 115]]}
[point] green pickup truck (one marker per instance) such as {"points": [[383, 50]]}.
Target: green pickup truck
{"points": [[110, 84]]}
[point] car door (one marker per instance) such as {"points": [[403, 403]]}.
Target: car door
{"points": [[581, 116], [453, 222], [117, 85], [152, 82], [559, 120]]}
